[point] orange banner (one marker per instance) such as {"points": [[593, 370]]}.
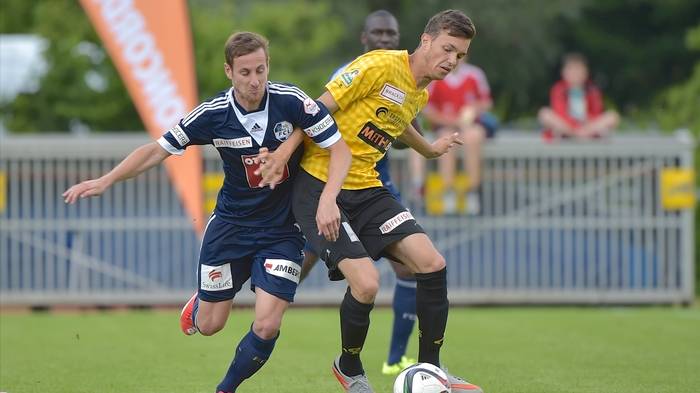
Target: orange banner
{"points": [[150, 43]]}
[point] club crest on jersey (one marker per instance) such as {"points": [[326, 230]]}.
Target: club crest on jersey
{"points": [[282, 130], [283, 268], [347, 77], [376, 137], [393, 94], [310, 106]]}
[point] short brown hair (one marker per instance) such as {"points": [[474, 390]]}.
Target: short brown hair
{"points": [[243, 43], [454, 22], [574, 57]]}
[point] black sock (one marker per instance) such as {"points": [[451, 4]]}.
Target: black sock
{"points": [[354, 323], [431, 309]]}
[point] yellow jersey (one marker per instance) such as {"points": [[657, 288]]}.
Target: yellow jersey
{"points": [[377, 98]]}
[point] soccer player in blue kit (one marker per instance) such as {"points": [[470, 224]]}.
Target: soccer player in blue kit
{"points": [[381, 31], [252, 232]]}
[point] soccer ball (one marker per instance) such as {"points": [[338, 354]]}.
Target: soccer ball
{"points": [[422, 378]]}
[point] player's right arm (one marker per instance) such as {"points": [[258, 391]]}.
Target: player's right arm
{"points": [[327, 99], [140, 160], [193, 129]]}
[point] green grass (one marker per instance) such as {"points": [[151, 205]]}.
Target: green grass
{"points": [[518, 350]]}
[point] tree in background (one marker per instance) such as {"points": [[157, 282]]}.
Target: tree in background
{"points": [[81, 88], [679, 106], [636, 49]]}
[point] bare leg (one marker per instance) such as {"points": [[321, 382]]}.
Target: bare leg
{"points": [[269, 310], [212, 316], [310, 259], [549, 119], [447, 163], [474, 136], [601, 125]]}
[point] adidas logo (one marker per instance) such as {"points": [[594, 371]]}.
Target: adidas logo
{"points": [[256, 128]]}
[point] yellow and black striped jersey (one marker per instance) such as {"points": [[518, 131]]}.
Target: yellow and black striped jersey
{"points": [[377, 98]]}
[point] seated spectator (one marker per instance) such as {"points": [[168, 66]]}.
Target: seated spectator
{"points": [[460, 103], [576, 105]]}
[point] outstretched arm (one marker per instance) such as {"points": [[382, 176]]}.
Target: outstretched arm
{"points": [[140, 160], [412, 138]]}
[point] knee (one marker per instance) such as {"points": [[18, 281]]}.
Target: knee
{"points": [[210, 328], [267, 328], [366, 290], [474, 135], [435, 263], [402, 272]]}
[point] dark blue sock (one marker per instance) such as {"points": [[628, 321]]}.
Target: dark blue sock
{"points": [[195, 310], [404, 318], [252, 352]]}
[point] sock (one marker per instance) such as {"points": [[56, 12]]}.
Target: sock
{"points": [[431, 309], [195, 310], [252, 352], [404, 318], [354, 323]]}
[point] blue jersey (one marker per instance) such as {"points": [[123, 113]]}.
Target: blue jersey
{"points": [[238, 135]]}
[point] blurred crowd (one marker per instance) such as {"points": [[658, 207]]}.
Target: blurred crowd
{"points": [[462, 103]]}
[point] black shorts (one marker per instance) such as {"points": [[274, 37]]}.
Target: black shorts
{"points": [[371, 220]]}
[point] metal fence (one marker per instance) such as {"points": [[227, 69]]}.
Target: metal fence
{"points": [[562, 223]]}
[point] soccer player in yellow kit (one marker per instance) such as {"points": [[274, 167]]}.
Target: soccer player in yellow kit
{"points": [[373, 102]]}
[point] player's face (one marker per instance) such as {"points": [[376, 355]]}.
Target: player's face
{"points": [[381, 33], [248, 74], [444, 52]]}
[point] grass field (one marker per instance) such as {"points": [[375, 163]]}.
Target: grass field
{"points": [[518, 350]]}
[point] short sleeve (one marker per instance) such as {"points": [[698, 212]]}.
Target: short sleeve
{"points": [[357, 80], [193, 129], [308, 114]]}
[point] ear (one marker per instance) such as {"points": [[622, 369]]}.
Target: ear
{"points": [[426, 40], [228, 71], [363, 38]]}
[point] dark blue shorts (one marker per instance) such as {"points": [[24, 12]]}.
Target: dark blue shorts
{"points": [[230, 254], [489, 122]]}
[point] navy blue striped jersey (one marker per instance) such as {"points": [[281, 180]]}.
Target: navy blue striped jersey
{"points": [[238, 135]]}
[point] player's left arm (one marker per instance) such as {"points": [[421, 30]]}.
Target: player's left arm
{"points": [[415, 140], [325, 134], [399, 145], [328, 213]]}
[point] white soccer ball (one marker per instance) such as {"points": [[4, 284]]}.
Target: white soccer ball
{"points": [[422, 378]]}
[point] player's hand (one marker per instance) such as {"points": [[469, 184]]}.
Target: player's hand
{"points": [[85, 189], [328, 219], [445, 143], [271, 168]]}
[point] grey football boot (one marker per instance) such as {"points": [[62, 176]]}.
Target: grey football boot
{"points": [[356, 384]]}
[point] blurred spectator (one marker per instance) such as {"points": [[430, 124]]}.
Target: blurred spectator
{"points": [[576, 105], [460, 103]]}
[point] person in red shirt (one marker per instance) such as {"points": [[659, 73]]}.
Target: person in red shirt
{"points": [[576, 105], [461, 103]]}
